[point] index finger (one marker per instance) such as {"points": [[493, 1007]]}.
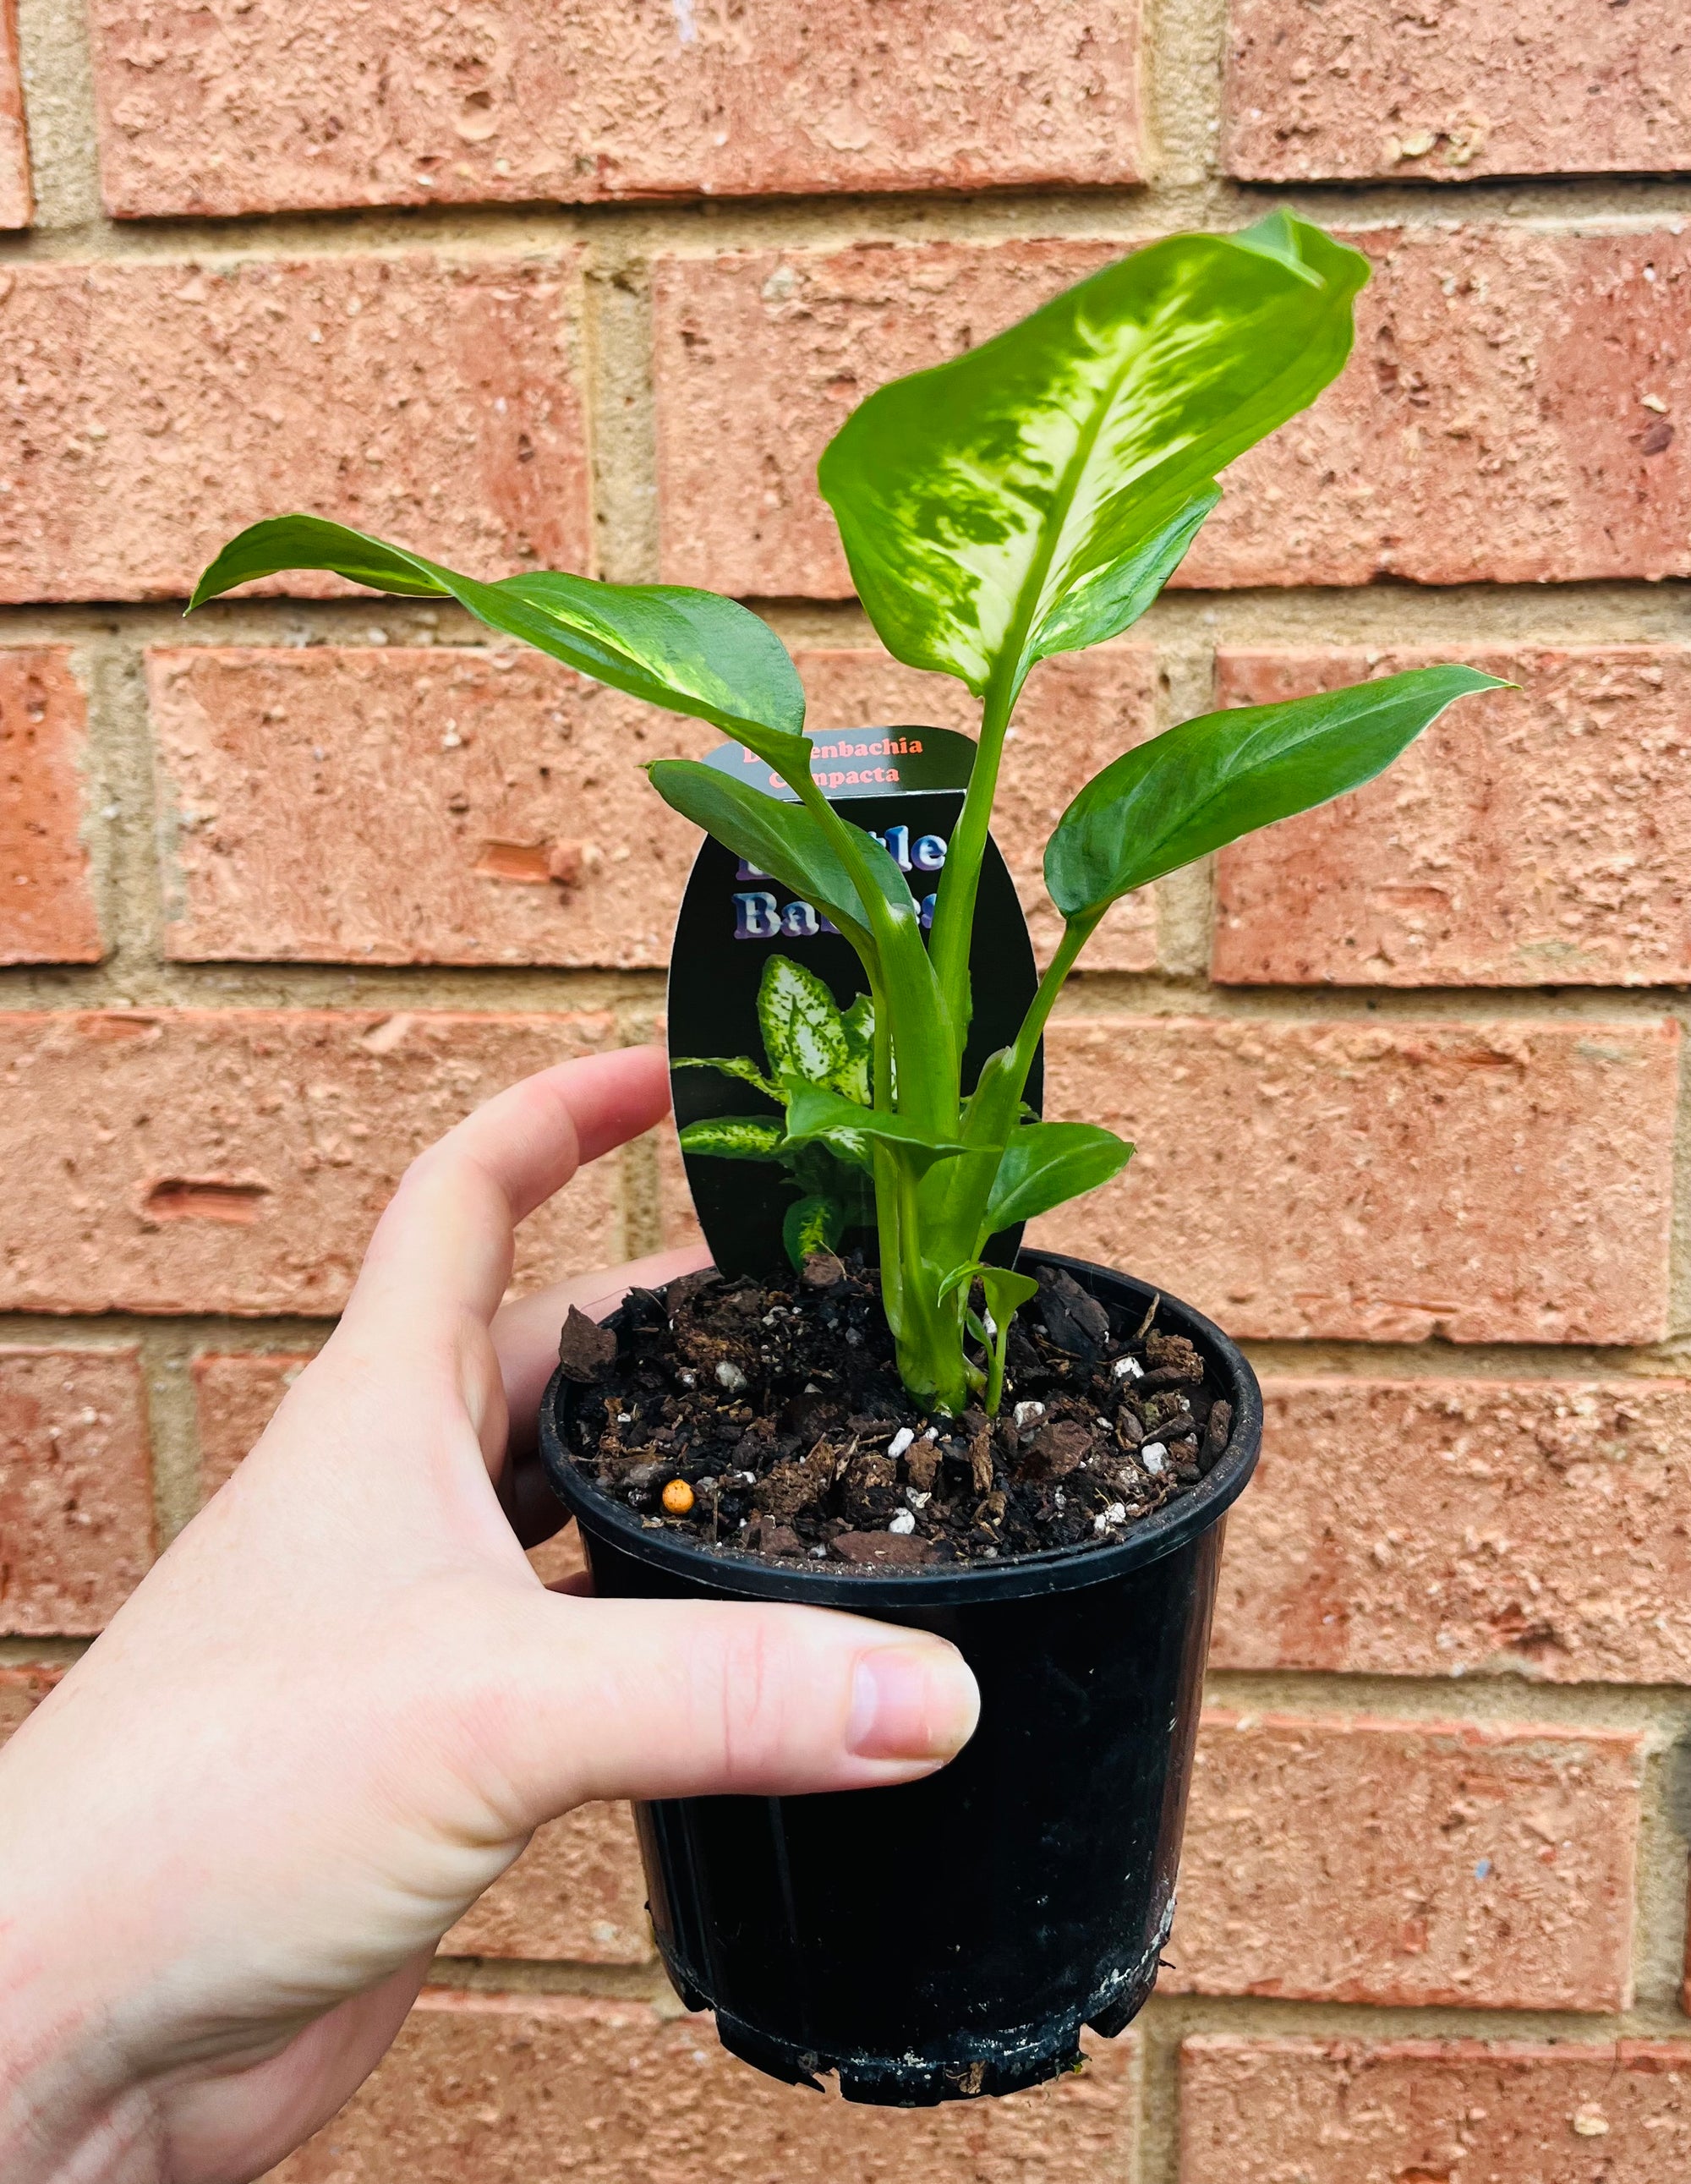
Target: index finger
{"points": [[444, 1245]]}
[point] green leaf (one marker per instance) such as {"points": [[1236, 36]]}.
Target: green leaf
{"points": [[1194, 788], [1046, 1163], [1004, 1291], [1112, 599], [784, 840], [857, 1024], [735, 1137], [740, 1066], [815, 1113], [974, 498], [804, 1035], [689, 650], [809, 1225]]}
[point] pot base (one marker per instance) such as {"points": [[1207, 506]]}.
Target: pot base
{"points": [[969, 2069]]}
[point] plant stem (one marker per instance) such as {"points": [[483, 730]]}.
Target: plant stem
{"points": [[959, 883]]}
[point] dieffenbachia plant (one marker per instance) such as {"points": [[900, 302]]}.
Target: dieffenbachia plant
{"points": [[1030, 498]]}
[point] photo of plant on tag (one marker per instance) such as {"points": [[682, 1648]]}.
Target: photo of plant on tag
{"points": [[765, 992]]}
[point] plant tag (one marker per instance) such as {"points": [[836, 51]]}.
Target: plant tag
{"points": [[762, 986]]}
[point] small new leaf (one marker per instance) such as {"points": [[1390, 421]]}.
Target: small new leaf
{"points": [[1194, 788], [1045, 1164]]}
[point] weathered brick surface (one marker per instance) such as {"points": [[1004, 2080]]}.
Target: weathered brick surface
{"points": [[236, 1160], [1078, 713], [1491, 426], [1426, 2111], [412, 106], [1460, 88], [1531, 836], [16, 198], [150, 409], [22, 1688], [351, 805], [75, 1489], [1382, 1182], [1409, 1863], [1447, 1527], [513, 2088], [47, 902]]}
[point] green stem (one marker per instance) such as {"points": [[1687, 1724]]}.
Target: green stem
{"points": [[959, 882]]}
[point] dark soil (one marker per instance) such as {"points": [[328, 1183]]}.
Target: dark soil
{"points": [[777, 1403]]}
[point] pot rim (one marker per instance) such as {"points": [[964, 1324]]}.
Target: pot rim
{"points": [[1056, 1570]]}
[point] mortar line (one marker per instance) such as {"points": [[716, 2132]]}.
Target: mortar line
{"points": [[712, 225]]}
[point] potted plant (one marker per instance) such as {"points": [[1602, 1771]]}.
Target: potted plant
{"points": [[1034, 1461]]}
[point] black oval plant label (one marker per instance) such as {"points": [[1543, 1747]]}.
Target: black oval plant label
{"points": [[762, 987]]}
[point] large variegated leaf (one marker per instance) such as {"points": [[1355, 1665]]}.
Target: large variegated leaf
{"points": [[689, 650], [977, 498]]}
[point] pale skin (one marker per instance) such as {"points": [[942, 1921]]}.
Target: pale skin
{"points": [[339, 1706]]}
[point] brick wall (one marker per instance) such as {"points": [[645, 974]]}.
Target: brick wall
{"points": [[594, 284]]}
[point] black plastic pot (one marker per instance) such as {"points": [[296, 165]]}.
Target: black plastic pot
{"points": [[950, 1937]]}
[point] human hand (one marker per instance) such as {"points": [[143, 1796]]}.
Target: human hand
{"points": [[341, 1703]]}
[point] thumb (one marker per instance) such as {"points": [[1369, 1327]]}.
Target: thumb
{"points": [[647, 1698]]}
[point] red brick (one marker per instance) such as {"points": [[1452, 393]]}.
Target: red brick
{"points": [[75, 1489], [152, 408], [1433, 2112], [1383, 1181], [236, 1394], [1409, 1863], [17, 199], [1529, 837], [427, 832], [428, 836], [236, 1160], [1446, 93], [513, 2088], [47, 902], [1079, 712], [22, 1688], [1453, 1527], [416, 107], [1491, 427]]}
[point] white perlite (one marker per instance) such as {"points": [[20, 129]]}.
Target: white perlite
{"points": [[1025, 1414], [1154, 1457], [903, 1522], [730, 1376], [900, 1442], [1128, 1368], [1117, 1514]]}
